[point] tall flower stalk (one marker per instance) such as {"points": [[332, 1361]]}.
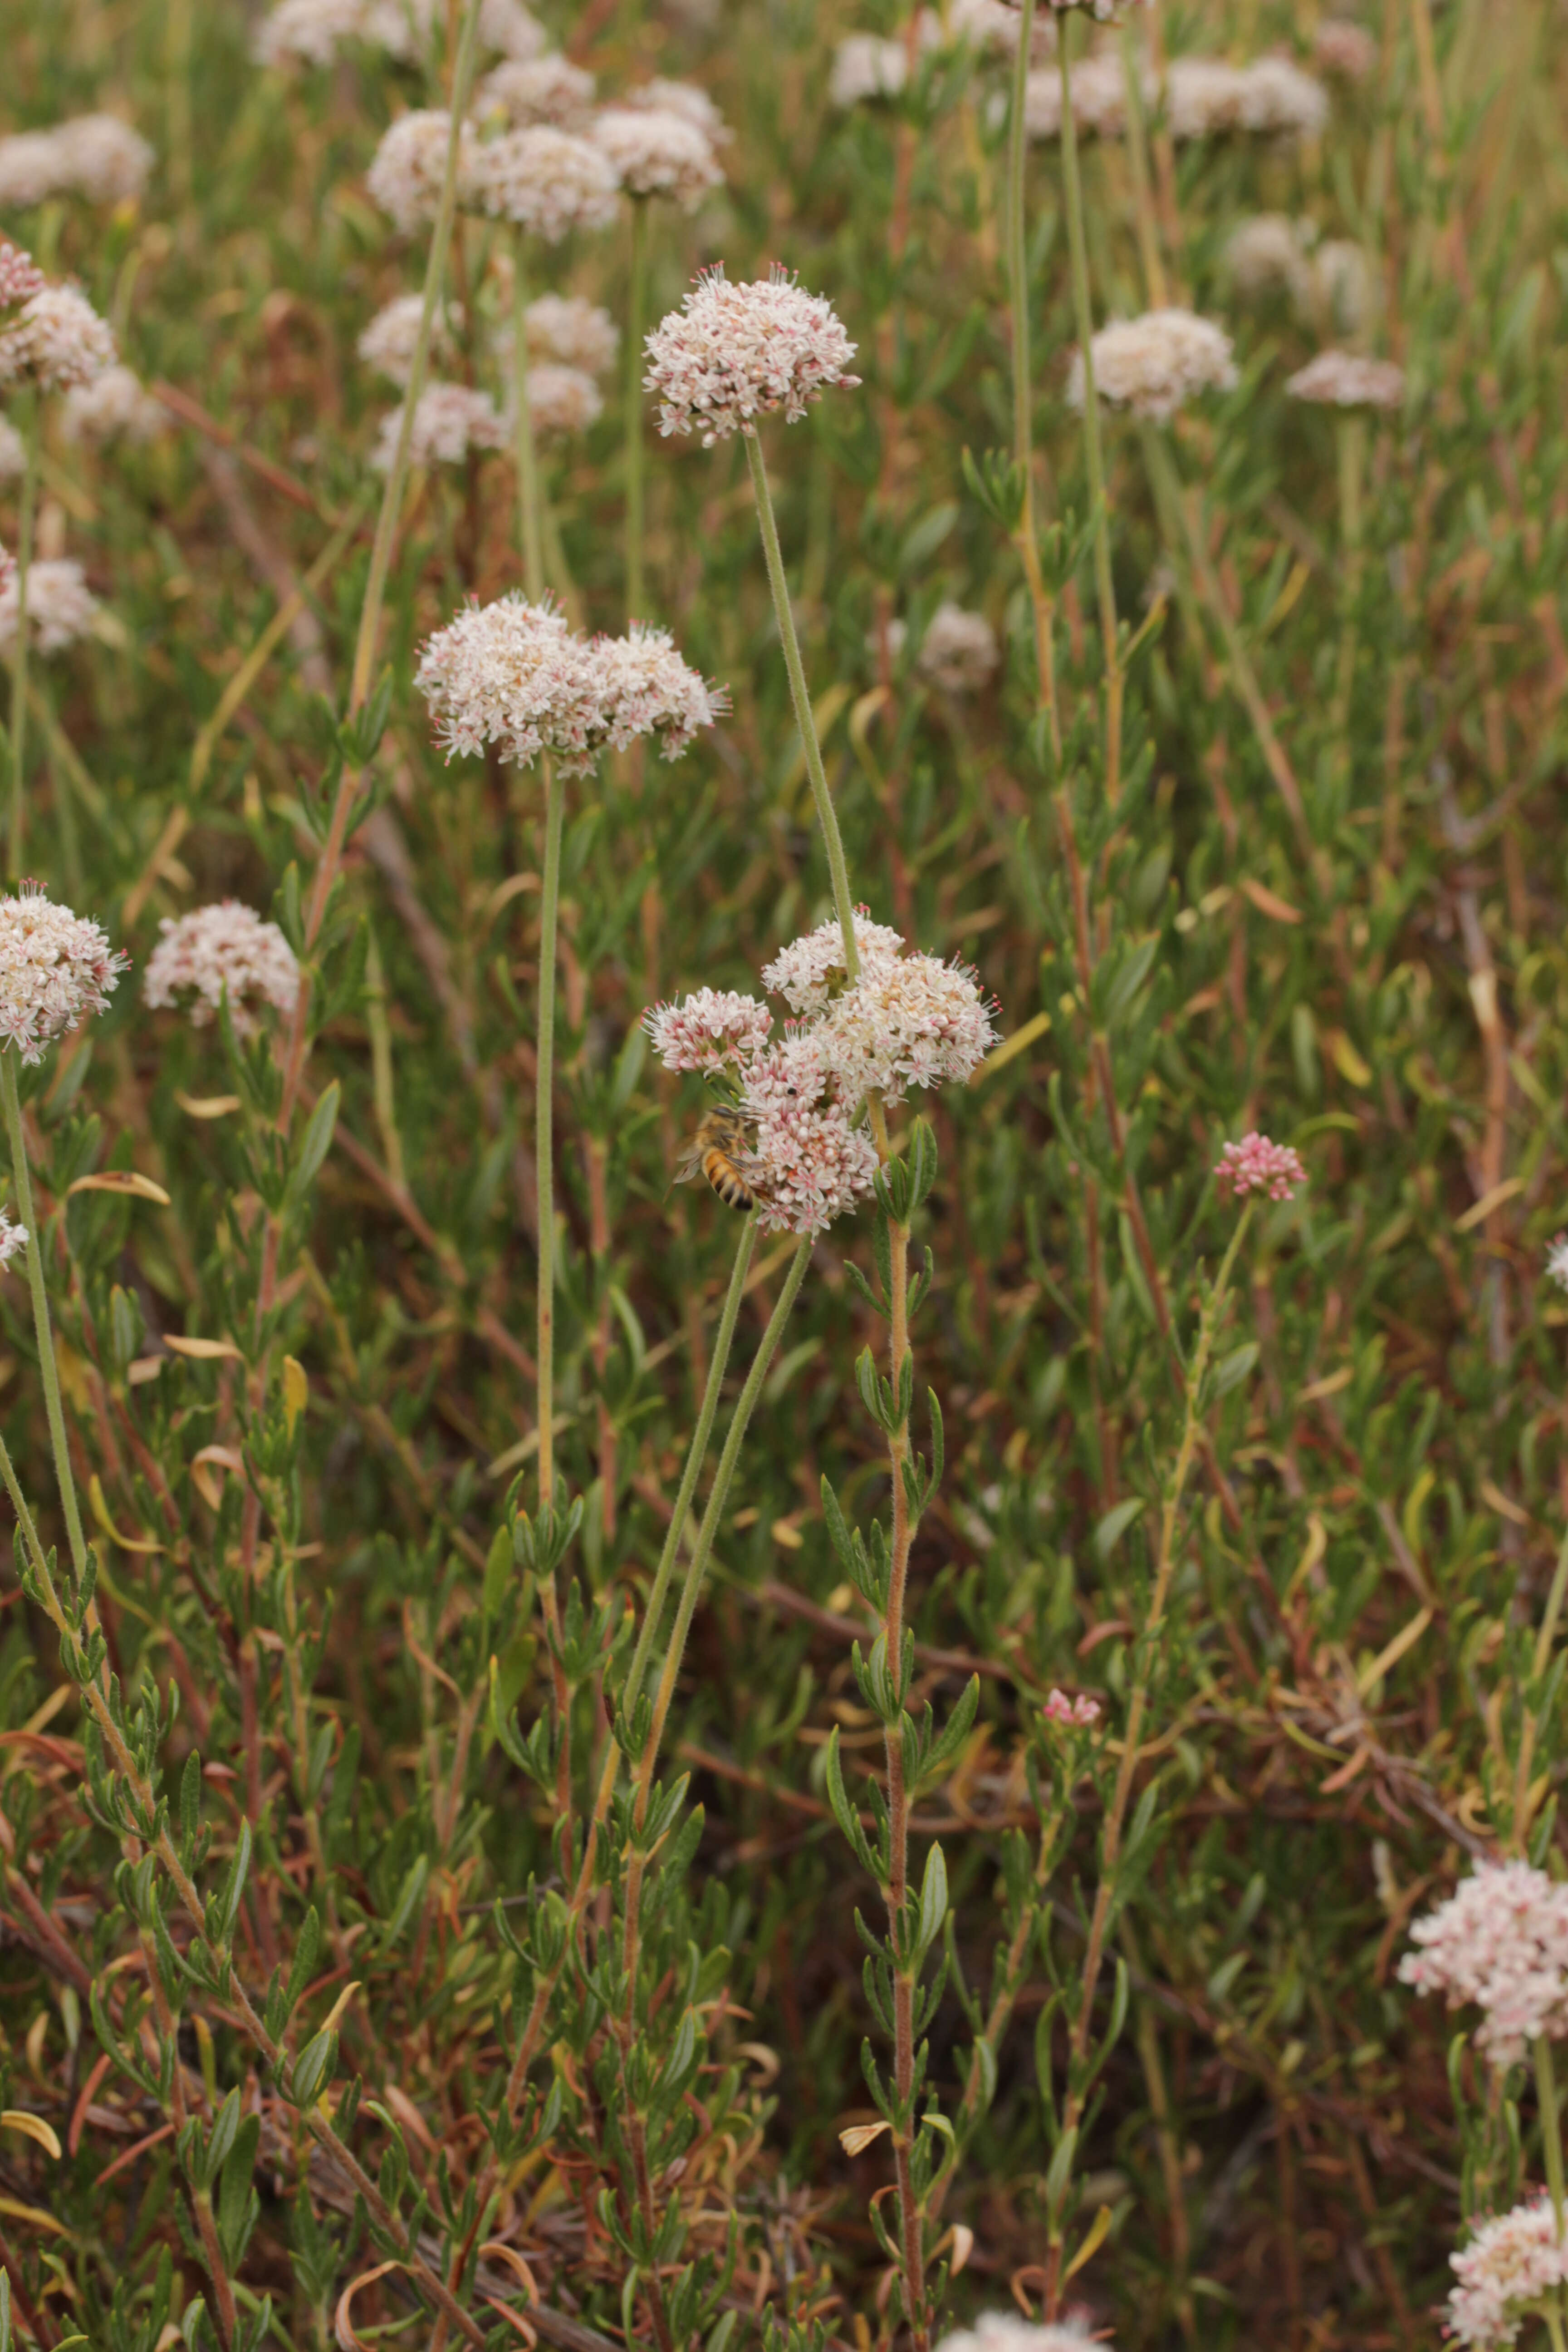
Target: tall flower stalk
{"points": [[1042, 602], [530, 532], [27, 411], [637, 308], [1083, 313]]}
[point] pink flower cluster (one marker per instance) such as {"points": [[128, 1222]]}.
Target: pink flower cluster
{"points": [[1511, 2264], [1500, 1940], [56, 339], [514, 674], [13, 1239], [226, 945], [1080, 1712], [908, 1020], [1256, 1165], [56, 967], [732, 353]]}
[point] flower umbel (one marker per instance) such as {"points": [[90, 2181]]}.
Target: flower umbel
{"points": [[1511, 2264], [226, 945], [1256, 1165], [732, 353], [1501, 1941], [1154, 364], [55, 968]]}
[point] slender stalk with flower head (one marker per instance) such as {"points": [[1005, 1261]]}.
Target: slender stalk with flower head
{"points": [[51, 339], [1254, 1166]]}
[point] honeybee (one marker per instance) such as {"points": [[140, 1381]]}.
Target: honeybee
{"points": [[720, 1151]]}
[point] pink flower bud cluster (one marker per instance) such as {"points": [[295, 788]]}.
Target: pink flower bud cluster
{"points": [[60, 604], [1511, 2266], [56, 967], [224, 945], [549, 88], [655, 152], [513, 673], [1349, 379], [908, 1020], [1256, 1165], [1501, 1941], [56, 339], [1078, 1712], [732, 353]]}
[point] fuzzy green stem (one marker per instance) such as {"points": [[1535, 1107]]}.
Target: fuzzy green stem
{"points": [[653, 1612], [48, 1369], [1350, 437], [530, 532], [543, 1128], [1041, 604], [636, 300], [397, 473], [697, 1567], [799, 695], [28, 412], [1551, 2125], [1104, 587]]}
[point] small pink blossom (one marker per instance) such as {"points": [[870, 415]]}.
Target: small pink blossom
{"points": [[13, 1239], [1512, 2265], [1080, 1712], [55, 968], [222, 946], [1501, 1941], [707, 1029], [732, 353], [1256, 1165]]}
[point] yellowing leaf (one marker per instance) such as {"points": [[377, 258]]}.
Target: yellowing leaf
{"points": [[207, 1105], [296, 1392], [202, 1351], [859, 2137], [1278, 909], [100, 1513], [1347, 1061], [121, 1180], [18, 2119]]}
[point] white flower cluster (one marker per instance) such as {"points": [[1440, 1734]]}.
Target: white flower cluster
{"points": [[14, 1239], [562, 399], [409, 166], [312, 31], [93, 155], [547, 88], [1331, 281], [1007, 2331], [867, 67], [1500, 1940], [572, 332], [908, 1021], [1511, 2266], [732, 353], [57, 340], [1203, 98], [1344, 48], [958, 653], [546, 181], [1347, 380], [387, 343], [116, 407], [656, 151], [226, 945], [449, 420], [684, 98], [60, 605], [56, 967], [1154, 364], [513, 673]]}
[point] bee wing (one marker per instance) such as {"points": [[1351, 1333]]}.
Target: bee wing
{"points": [[690, 1167]]}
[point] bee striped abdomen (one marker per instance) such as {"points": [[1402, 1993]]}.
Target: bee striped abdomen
{"points": [[727, 1181]]}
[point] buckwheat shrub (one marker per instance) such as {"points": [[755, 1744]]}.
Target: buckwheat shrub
{"points": [[56, 341], [60, 605], [1344, 48], [406, 173], [388, 343], [572, 332], [1501, 1941], [1512, 2264], [685, 98], [100, 158], [550, 89], [222, 946], [959, 651], [56, 970], [449, 419], [1154, 364], [1348, 380], [655, 152], [1256, 1165], [116, 407], [546, 181], [734, 352]]}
